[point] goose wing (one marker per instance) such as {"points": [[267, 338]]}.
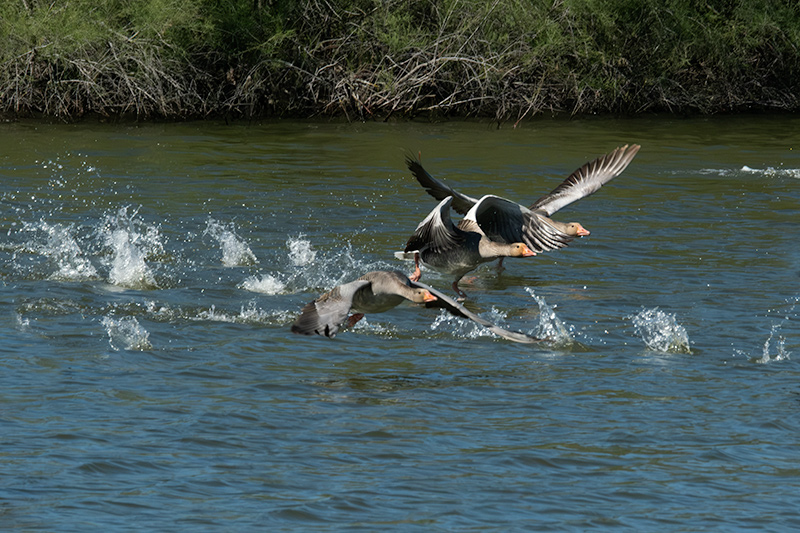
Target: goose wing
{"points": [[455, 308], [437, 232], [587, 180], [438, 189], [507, 221], [326, 314]]}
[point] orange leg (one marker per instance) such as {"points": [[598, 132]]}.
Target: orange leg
{"points": [[417, 272]]}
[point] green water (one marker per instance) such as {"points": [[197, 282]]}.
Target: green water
{"points": [[149, 380]]}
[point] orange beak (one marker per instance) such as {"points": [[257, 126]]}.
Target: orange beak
{"points": [[583, 232], [527, 252], [428, 297]]}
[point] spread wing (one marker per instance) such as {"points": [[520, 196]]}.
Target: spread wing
{"points": [[459, 310], [326, 314], [438, 189], [507, 221], [437, 232], [587, 180]]}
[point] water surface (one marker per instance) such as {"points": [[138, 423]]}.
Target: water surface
{"points": [[149, 380]]}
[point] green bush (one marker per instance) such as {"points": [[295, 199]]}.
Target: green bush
{"points": [[376, 58]]}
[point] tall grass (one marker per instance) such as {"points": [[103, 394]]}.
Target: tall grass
{"points": [[377, 58]]}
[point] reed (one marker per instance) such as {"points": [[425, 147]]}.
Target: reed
{"points": [[374, 59]]}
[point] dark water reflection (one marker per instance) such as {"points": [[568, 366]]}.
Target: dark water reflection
{"points": [[149, 379]]}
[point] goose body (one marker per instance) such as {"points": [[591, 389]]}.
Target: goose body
{"points": [[455, 250], [376, 292]]}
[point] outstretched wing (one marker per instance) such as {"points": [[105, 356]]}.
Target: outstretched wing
{"points": [[459, 310], [507, 221], [587, 180], [326, 314], [437, 232], [438, 189]]}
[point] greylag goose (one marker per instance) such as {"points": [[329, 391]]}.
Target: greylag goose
{"points": [[376, 292], [509, 222], [455, 250]]}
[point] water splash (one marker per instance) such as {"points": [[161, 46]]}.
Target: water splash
{"points": [[773, 172], [467, 329], [65, 251], [550, 326], [126, 334], [300, 252], [775, 340], [131, 242], [61, 247], [235, 252], [660, 331], [23, 323], [779, 343], [265, 284], [770, 172], [376, 328], [249, 314], [310, 270], [302, 256]]}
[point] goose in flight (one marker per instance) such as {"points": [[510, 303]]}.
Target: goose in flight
{"points": [[376, 292], [440, 244], [505, 221]]}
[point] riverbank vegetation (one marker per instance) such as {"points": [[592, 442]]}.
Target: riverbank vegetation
{"points": [[381, 58]]}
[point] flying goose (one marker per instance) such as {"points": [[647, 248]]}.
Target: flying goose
{"points": [[376, 292], [455, 250], [505, 221]]}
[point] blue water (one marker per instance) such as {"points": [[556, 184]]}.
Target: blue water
{"points": [[149, 380]]}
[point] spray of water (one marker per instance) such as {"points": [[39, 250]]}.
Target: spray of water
{"points": [[64, 249], [23, 323], [310, 270], [660, 331], [550, 326], [264, 284], [300, 252], [60, 246], [768, 171], [126, 334], [467, 329], [235, 252], [774, 348], [249, 314], [131, 242], [778, 342]]}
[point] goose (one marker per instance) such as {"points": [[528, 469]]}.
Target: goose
{"points": [[376, 292], [505, 221], [455, 250]]}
